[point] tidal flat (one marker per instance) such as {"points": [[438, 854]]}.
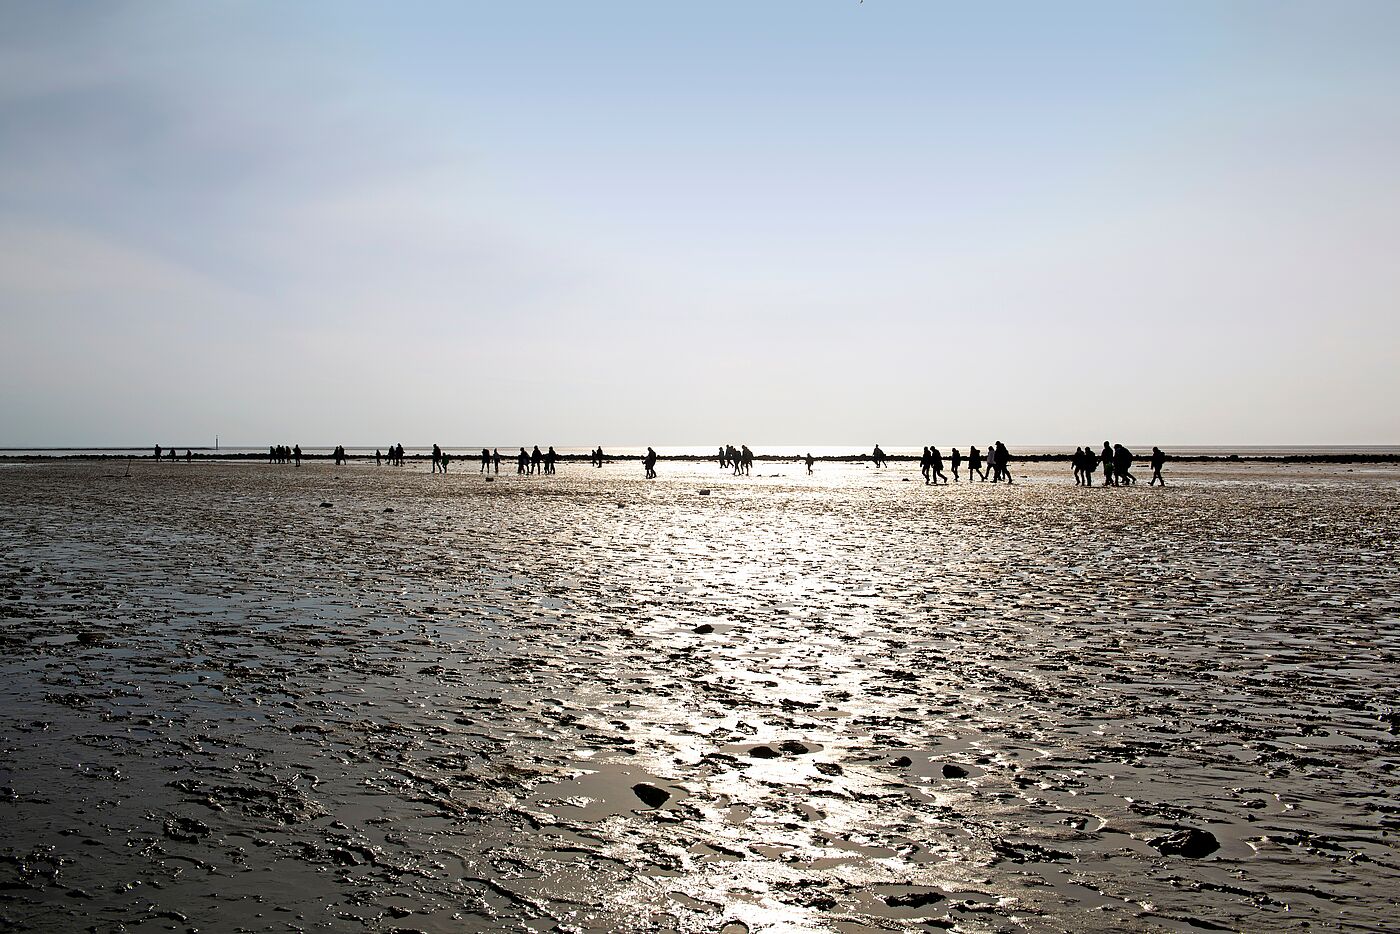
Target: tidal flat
{"points": [[246, 697]]}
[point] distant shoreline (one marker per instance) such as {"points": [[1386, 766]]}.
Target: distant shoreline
{"points": [[1319, 458]]}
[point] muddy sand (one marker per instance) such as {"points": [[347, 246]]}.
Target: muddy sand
{"points": [[241, 697]]}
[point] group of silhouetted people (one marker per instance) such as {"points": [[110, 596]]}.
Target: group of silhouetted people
{"points": [[279, 454], [536, 461], [1117, 463], [994, 466], [740, 459], [1115, 460]]}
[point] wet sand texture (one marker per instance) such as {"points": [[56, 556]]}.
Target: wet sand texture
{"points": [[236, 697]]}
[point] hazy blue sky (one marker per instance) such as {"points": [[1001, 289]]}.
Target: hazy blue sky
{"points": [[686, 223]]}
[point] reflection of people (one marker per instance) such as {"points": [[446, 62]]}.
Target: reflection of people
{"points": [[650, 463], [1158, 459]]}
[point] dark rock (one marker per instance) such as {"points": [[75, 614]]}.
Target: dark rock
{"points": [[325, 505], [1187, 841], [763, 752], [902, 761], [704, 492], [651, 796], [703, 628], [913, 899], [388, 509], [954, 771], [793, 748]]}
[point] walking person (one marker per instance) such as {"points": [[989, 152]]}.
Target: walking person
{"points": [[956, 459], [650, 463], [936, 465], [1158, 459], [1106, 458], [925, 461], [974, 464], [1123, 465], [810, 461], [1003, 458]]}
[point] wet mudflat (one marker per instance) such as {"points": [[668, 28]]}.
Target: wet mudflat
{"points": [[592, 703]]}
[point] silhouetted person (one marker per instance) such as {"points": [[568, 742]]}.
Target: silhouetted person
{"points": [[878, 456], [485, 460], [437, 458], [296, 454], [746, 459], [1123, 465], [956, 459], [936, 464], [1091, 463], [190, 457], [723, 458], [1158, 459], [550, 459], [522, 462], [1003, 461], [445, 458], [536, 458], [925, 462], [734, 460], [378, 458], [974, 464], [496, 460], [650, 463], [171, 454], [1076, 461], [1106, 458], [157, 454], [810, 461]]}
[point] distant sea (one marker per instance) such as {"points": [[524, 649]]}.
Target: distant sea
{"points": [[762, 450]]}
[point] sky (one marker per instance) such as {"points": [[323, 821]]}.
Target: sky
{"points": [[789, 221]]}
